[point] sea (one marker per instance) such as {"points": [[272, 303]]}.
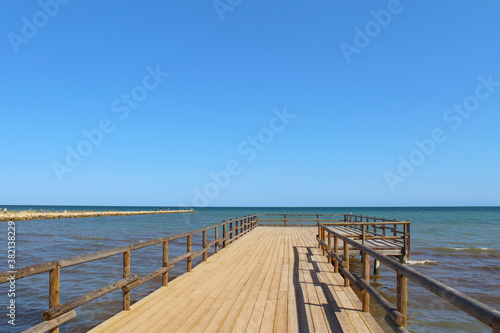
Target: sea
{"points": [[458, 246]]}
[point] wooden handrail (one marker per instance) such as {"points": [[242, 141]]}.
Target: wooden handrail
{"points": [[73, 304], [146, 278], [478, 310], [51, 324]]}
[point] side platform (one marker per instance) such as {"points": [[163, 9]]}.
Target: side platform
{"points": [[271, 280]]}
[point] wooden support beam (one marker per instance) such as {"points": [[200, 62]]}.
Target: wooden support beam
{"points": [[376, 265], [336, 251], [217, 237], [346, 259], [224, 234], [189, 260], [126, 274], [366, 277], [164, 279], [363, 234], [205, 255], [329, 247], [402, 297], [54, 278]]}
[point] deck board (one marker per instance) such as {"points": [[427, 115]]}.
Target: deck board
{"points": [[270, 280]]}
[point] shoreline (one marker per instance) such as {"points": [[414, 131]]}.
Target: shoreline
{"points": [[24, 216]]}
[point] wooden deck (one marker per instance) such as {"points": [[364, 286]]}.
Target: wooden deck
{"points": [[387, 247], [271, 280]]}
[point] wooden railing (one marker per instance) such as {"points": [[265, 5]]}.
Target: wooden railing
{"points": [[58, 314], [294, 218], [396, 317], [397, 232]]}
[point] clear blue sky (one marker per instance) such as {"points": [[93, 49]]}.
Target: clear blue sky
{"points": [[360, 101]]}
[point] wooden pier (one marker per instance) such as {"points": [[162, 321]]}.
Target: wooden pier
{"points": [[281, 277], [273, 280]]}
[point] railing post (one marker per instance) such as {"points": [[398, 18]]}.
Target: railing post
{"points": [[329, 248], [319, 235], [402, 297], [54, 277], [383, 228], [323, 238], [363, 234], [164, 281], [284, 220], [224, 234], [336, 249], [231, 235], [217, 237], [407, 242], [126, 274], [205, 254], [189, 259], [374, 224], [376, 266], [366, 277], [346, 258]]}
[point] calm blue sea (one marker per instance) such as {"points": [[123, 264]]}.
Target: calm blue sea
{"points": [[456, 245]]}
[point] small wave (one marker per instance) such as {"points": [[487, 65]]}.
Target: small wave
{"points": [[473, 250], [422, 262], [89, 238]]}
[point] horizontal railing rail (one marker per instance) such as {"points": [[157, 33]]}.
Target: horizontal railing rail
{"points": [[294, 218], [396, 316], [58, 314]]}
